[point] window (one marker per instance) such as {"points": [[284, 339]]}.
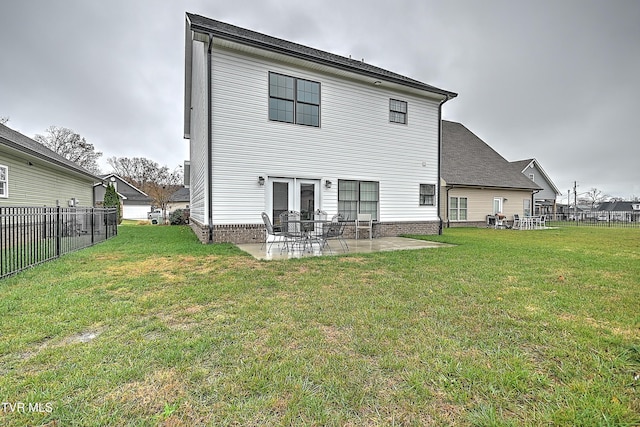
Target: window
{"points": [[293, 100], [358, 196], [458, 208], [397, 111], [497, 205], [427, 193], [532, 177], [4, 181]]}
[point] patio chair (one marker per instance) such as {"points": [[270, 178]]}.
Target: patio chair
{"points": [[542, 221], [516, 222], [271, 232], [363, 221], [291, 229], [334, 231]]}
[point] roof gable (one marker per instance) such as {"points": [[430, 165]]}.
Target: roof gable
{"points": [[523, 165], [126, 189], [468, 160], [263, 41]]}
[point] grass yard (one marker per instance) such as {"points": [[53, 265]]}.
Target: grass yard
{"points": [[152, 328]]}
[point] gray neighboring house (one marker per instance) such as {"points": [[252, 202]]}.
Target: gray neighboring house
{"points": [[545, 199], [136, 204], [33, 175], [476, 181], [618, 211], [178, 200]]}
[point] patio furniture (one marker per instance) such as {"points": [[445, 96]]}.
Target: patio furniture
{"points": [[271, 232], [363, 221], [291, 228], [334, 230], [542, 221], [516, 221]]}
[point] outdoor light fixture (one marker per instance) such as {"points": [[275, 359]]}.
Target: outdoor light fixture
{"points": [[261, 180], [327, 184]]}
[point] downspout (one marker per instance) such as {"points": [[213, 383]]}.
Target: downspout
{"points": [[533, 201], [209, 141], [447, 97]]}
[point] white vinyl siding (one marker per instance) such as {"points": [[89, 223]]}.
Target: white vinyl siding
{"points": [[42, 183], [355, 142], [198, 131]]}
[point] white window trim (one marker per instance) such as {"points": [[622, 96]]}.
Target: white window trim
{"points": [[6, 182]]}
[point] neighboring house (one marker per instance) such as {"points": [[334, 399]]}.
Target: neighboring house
{"points": [[545, 199], [477, 181], [136, 204], [617, 211], [178, 200], [33, 175], [276, 126]]}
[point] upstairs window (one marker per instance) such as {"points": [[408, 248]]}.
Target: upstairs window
{"points": [[4, 181], [293, 100], [398, 111], [427, 194]]}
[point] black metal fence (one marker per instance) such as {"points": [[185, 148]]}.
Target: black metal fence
{"points": [[629, 219], [33, 235]]}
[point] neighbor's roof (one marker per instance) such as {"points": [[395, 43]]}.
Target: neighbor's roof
{"points": [[522, 165], [26, 145], [617, 206], [182, 195], [467, 160], [263, 41]]}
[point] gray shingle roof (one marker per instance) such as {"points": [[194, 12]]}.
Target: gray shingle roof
{"points": [[617, 206], [468, 160], [253, 38], [182, 195], [18, 141]]}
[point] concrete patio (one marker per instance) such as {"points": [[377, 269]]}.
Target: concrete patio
{"points": [[355, 246]]}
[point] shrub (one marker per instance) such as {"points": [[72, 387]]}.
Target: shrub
{"points": [[179, 217]]}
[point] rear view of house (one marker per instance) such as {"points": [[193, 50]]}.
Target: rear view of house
{"points": [[276, 126]]}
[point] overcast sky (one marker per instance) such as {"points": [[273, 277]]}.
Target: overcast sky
{"points": [[555, 80]]}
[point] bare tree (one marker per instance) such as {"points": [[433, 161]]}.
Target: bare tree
{"points": [[159, 182], [4, 120], [595, 197], [71, 146]]}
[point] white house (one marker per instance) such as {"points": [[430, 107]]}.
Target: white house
{"points": [[275, 126], [136, 204]]}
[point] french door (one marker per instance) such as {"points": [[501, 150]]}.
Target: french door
{"points": [[293, 194]]}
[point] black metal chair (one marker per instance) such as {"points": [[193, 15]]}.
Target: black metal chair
{"points": [[271, 231], [335, 231]]}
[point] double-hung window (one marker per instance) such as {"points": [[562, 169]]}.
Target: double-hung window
{"points": [[398, 111], [458, 208], [4, 181], [427, 194], [358, 197], [294, 100]]}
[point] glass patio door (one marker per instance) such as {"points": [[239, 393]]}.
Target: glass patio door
{"points": [[294, 194]]}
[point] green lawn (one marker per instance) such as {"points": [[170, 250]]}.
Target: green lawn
{"points": [[506, 328]]}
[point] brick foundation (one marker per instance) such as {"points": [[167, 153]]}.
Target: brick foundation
{"points": [[255, 233]]}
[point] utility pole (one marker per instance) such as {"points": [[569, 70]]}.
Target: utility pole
{"points": [[575, 200], [568, 204]]}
